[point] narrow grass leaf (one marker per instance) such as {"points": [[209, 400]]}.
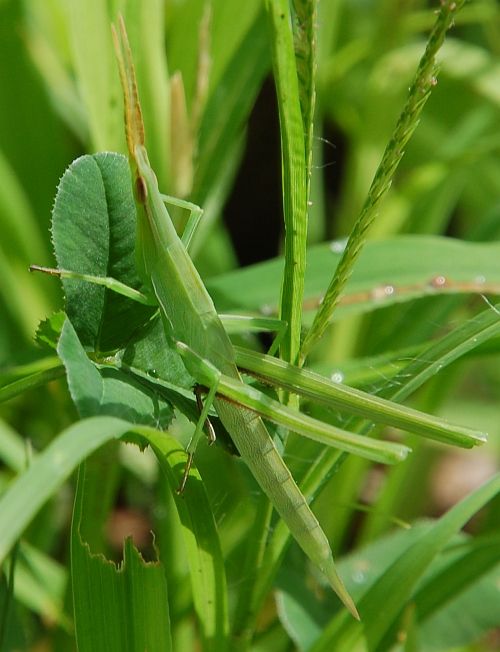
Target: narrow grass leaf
{"points": [[47, 42], [95, 67], [382, 605], [304, 14], [460, 341], [47, 472], [407, 123], [20, 231], [32, 381], [26, 495], [293, 157], [203, 550], [145, 20], [40, 584], [223, 119]]}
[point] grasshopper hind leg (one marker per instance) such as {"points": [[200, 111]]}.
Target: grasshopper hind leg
{"points": [[203, 423]]}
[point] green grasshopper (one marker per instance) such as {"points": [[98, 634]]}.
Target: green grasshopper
{"points": [[193, 326]]}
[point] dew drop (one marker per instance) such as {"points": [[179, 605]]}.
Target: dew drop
{"points": [[438, 282], [266, 310], [337, 377], [359, 577], [382, 292], [338, 246], [480, 280]]}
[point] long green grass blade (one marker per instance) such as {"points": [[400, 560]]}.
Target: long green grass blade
{"points": [[18, 220], [304, 37], [40, 584], [145, 20], [408, 121], [203, 550], [24, 498], [10, 390], [389, 271], [395, 586], [293, 156], [48, 471], [12, 448], [116, 608], [457, 343], [96, 70], [471, 561]]}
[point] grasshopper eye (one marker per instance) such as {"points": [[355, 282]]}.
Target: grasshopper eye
{"points": [[141, 190]]}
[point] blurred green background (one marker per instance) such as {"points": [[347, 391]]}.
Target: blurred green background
{"points": [[216, 142]]}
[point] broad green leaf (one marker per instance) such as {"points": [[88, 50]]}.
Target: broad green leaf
{"points": [[26, 495], [150, 359], [106, 390], [149, 352], [124, 608], [117, 608], [93, 231], [389, 271], [49, 330]]}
